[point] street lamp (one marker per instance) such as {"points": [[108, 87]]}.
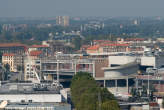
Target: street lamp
{"points": [[57, 71]]}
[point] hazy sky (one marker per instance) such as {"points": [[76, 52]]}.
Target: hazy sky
{"points": [[50, 8]]}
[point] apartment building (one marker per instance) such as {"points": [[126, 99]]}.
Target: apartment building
{"points": [[15, 48], [15, 61], [62, 20], [9, 59]]}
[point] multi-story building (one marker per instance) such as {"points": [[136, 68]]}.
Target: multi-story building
{"points": [[106, 48], [9, 59], [65, 64], [62, 20], [14, 48], [15, 61], [65, 20], [59, 20], [66, 67], [32, 65], [44, 48], [60, 46], [109, 48], [29, 96]]}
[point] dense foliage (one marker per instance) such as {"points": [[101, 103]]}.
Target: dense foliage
{"points": [[87, 95], [34, 32], [145, 28], [163, 102]]}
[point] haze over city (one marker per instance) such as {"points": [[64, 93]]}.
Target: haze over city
{"points": [[50, 8], [81, 55]]}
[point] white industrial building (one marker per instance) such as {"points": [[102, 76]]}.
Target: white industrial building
{"points": [[29, 92], [42, 98]]}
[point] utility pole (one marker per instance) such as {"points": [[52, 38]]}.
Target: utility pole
{"points": [[148, 85], [57, 71], [75, 67], [148, 71]]}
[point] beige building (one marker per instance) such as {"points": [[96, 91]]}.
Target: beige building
{"points": [[14, 60], [9, 59], [106, 48], [65, 20]]}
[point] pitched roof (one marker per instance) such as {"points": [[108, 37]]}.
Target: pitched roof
{"points": [[38, 46], [35, 53], [3, 45], [8, 54], [12, 45]]}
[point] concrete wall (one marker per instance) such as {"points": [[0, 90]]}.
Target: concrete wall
{"points": [[156, 62], [148, 61], [33, 97], [121, 60]]}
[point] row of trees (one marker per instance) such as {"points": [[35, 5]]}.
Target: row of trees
{"points": [[33, 32], [87, 95]]}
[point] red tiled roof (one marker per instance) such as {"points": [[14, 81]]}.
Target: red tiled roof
{"points": [[35, 53], [95, 47], [12, 45], [38, 46], [114, 44], [8, 54]]}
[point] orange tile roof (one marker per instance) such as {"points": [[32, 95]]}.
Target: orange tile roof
{"points": [[12, 45], [35, 53], [95, 47], [8, 54], [38, 46]]}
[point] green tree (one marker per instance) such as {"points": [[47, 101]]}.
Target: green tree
{"points": [[83, 88], [86, 94], [110, 105]]}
